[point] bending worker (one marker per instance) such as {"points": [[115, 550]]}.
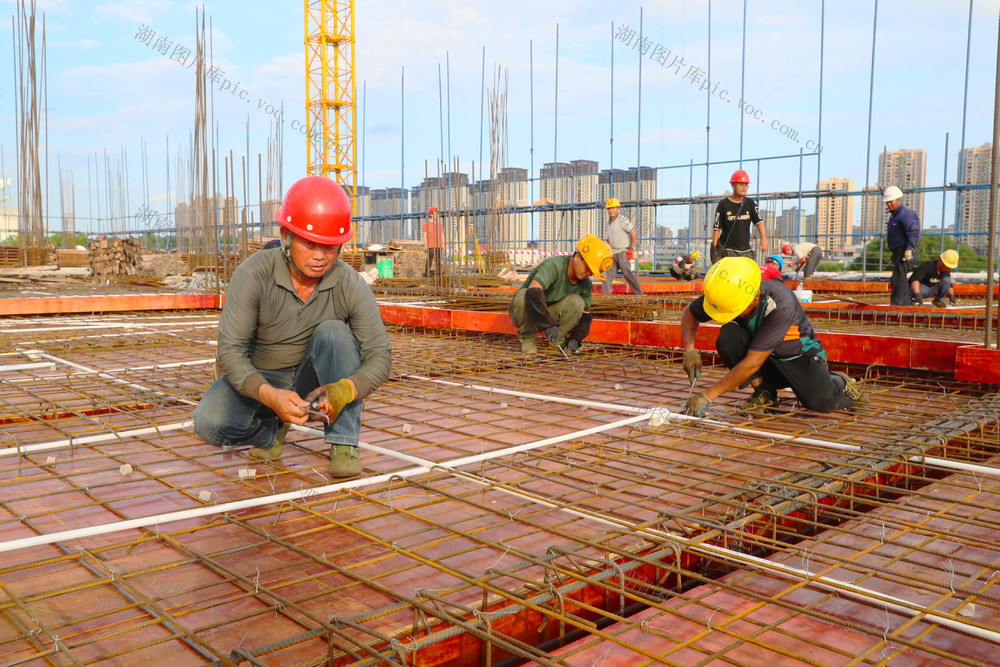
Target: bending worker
{"points": [[807, 257], [555, 298], [299, 330], [622, 237], [766, 341], [771, 268], [683, 267], [735, 216], [933, 279]]}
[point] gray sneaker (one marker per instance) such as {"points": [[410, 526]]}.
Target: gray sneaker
{"points": [[851, 389], [274, 451]]}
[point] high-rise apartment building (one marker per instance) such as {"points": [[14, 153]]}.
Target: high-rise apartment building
{"points": [[972, 207], [701, 217], [834, 214], [873, 213], [555, 185], [499, 223], [906, 169]]}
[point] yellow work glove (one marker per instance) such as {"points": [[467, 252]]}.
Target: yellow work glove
{"points": [[692, 364], [330, 399], [697, 404]]}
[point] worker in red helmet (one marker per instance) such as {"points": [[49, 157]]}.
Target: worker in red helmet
{"points": [[300, 337], [735, 217], [433, 242]]}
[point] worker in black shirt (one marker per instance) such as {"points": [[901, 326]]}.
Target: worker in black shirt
{"points": [[933, 278], [766, 341], [734, 217]]}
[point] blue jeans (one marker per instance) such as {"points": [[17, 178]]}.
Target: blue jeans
{"points": [[939, 291], [227, 418]]}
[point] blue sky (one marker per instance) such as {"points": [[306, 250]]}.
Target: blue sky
{"points": [[109, 90]]}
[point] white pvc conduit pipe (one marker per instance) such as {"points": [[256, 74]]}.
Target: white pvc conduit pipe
{"points": [[668, 415], [304, 493], [92, 439]]}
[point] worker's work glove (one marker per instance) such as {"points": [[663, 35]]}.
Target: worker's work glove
{"points": [[552, 333], [330, 399], [692, 364], [916, 300], [574, 346], [907, 255], [697, 404]]}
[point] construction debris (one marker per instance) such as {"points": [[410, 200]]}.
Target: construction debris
{"points": [[117, 257]]}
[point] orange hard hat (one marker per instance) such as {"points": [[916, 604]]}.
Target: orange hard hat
{"points": [[317, 209]]}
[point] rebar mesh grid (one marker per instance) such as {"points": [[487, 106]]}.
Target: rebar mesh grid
{"points": [[488, 523]]}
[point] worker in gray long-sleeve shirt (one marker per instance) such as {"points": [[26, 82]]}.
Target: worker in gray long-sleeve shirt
{"points": [[300, 332]]}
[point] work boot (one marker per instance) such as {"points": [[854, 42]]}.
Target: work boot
{"points": [[528, 346], [851, 389], [345, 461], [938, 303], [759, 402], [274, 451]]}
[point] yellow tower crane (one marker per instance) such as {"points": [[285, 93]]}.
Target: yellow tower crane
{"points": [[331, 125]]}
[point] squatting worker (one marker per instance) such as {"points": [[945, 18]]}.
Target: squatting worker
{"points": [[933, 279], [734, 217], [433, 242], [298, 327], [766, 341], [622, 237], [555, 298], [683, 267], [806, 256], [903, 236]]}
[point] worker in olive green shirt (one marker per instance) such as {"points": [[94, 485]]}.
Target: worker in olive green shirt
{"points": [[555, 299], [300, 337]]}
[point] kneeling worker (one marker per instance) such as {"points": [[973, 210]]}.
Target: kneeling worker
{"points": [[683, 267], [765, 340], [300, 330], [555, 298], [933, 279]]}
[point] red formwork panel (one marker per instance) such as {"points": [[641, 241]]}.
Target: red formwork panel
{"points": [[108, 304], [482, 321], [977, 364], [609, 331]]}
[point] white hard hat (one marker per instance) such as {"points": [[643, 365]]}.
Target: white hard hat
{"points": [[892, 193]]}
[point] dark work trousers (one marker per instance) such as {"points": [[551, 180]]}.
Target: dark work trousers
{"points": [[900, 270], [807, 374], [433, 265]]}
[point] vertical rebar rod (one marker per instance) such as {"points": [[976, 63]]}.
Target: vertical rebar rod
{"points": [[555, 140], [992, 228], [960, 197], [638, 145], [531, 123], [944, 188], [402, 144], [819, 113], [743, 73], [868, 148], [708, 101]]}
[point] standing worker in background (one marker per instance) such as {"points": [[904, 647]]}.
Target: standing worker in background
{"points": [[933, 279], [734, 217], [904, 234], [433, 242], [555, 298], [622, 239], [297, 322], [807, 257], [766, 340], [683, 267]]}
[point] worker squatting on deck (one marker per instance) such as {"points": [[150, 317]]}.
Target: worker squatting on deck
{"points": [[933, 279], [766, 341], [556, 296], [297, 322]]}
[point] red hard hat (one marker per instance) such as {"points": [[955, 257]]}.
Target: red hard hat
{"points": [[317, 209], [740, 176], [432, 209]]}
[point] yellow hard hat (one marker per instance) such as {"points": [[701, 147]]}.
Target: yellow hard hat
{"points": [[596, 253], [695, 255], [730, 286], [612, 203], [950, 258]]}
